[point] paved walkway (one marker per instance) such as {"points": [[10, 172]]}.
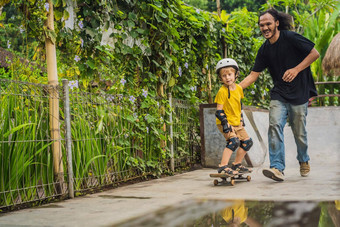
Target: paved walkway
{"points": [[114, 206]]}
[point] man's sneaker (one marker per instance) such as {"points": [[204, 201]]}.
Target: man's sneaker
{"points": [[274, 174], [304, 169], [240, 168]]}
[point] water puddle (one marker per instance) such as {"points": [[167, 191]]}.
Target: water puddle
{"points": [[243, 213], [48, 206], [122, 197]]}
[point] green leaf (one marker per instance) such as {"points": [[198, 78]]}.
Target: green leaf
{"points": [[152, 26], [13, 130], [131, 24], [162, 137], [142, 31], [50, 34], [172, 82], [100, 125], [66, 14], [163, 15], [132, 16], [91, 64], [134, 34], [58, 15], [174, 32], [158, 8], [90, 31]]}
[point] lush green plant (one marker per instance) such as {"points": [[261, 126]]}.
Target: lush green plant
{"points": [[25, 160], [234, 5]]}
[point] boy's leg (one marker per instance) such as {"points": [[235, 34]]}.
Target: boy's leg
{"points": [[237, 164], [277, 120], [245, 144], [240, 153], [223, 166], [226, 156], [231, 140]]}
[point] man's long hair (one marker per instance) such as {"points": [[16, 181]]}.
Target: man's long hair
{"points": [[285, 20]]}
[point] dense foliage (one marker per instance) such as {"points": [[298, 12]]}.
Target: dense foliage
{"points": [[155, 45], [231, 5]]}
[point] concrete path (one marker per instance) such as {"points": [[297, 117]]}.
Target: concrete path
{"points": [[114, 206]]}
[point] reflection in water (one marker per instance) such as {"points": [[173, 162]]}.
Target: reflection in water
{"points": [[215, 213], [238, 214], [273, 214]]}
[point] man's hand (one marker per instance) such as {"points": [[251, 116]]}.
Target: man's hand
{"points": [[290, 75]]}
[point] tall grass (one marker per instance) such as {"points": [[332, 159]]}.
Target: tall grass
{"points": [[114, 139], [185, 132], [25, 159]]}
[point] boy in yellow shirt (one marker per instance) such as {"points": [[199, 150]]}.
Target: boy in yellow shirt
{"points": [[228, 117]]}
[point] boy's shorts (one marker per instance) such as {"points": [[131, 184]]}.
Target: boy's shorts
{"points": [[237, 131]]}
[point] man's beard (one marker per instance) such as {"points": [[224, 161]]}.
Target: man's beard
{"points": [[273, 31]]}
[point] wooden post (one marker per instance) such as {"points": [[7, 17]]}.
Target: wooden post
{"points": [[172, 160], [51, 60], [218, 6], [224, 45], [210, 101]]}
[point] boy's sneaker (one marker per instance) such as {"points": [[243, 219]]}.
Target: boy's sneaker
{"points": [[304, 169], [274, 174], [240, 168]]}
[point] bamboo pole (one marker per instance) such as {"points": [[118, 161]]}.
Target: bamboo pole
{"points": [[209, 88], [51, 60], [218, 6]]}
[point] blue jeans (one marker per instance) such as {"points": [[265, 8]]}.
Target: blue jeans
{"points": [[278, 114]]}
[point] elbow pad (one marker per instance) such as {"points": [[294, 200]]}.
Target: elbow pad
{"points": [[221, 115]]}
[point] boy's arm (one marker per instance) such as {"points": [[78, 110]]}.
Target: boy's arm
{"points": [[251, 78], [223, 118]]}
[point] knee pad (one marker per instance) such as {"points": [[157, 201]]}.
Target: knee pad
{"points": [[246, 144], [233, 143]]}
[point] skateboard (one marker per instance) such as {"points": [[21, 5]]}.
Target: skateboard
{"points": [[229, 179]]}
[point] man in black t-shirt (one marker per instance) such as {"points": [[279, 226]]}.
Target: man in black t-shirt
{"points": [[288, 57]]}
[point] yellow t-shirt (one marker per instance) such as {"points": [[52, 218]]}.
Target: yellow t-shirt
{"points": [[231, 106], [237, 210], [337, 204]]}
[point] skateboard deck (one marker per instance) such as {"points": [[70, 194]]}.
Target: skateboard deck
{"points": [[229, 179]]}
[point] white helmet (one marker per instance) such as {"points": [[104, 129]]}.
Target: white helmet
{"points": [[226, 62]]}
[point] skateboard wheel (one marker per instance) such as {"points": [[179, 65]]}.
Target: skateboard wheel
{"points": [[215, 182], [232, 182], [248, 178]]}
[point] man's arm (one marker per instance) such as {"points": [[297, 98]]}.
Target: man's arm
{"points": [[290, 74], [251, 78]]}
